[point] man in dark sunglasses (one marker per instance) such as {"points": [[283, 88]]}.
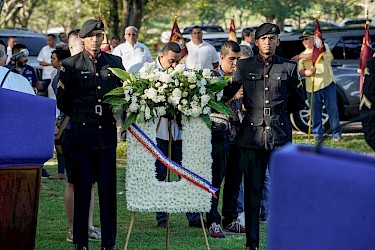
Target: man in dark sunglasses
{"points": [[19, 65], [10, 80]]}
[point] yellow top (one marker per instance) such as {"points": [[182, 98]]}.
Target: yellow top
{"points": [[323, 75]]}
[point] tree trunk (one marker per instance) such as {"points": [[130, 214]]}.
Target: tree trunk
{"points": [[138, 7], [113, 19], [125, 15]]}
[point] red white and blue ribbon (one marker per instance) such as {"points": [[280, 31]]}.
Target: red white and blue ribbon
{"points": [[175, 167]]}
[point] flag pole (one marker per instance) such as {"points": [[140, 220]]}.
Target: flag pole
{"points": [[312, 87]]}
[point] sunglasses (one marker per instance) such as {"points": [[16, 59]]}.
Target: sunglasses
{"points": [[97, 35]]}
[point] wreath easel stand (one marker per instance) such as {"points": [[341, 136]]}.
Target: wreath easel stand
{"points": [[168, 214]]}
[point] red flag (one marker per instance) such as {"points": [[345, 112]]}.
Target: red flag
{"points": [[105, 47], [232, 31], [176, 37], [366, 53], [319, 48]]}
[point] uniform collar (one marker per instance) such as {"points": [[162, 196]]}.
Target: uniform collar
{"points": [[91, 57], [268, 60]]}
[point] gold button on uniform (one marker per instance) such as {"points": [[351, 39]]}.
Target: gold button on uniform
{"points": [[266, 88], [99, 100], [266, 76], [99, 87], [97, 74], [267, 101], [100, 127], [268, 127]]}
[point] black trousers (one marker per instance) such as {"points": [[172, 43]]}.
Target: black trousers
{"points": [[233, 179], [219, 161], [254, 164], [99, 165]]}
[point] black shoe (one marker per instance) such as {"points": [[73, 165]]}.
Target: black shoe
{"points": [[78, 247], [162, 224]]}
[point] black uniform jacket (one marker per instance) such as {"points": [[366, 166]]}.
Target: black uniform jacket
{"points": [[272, 90], [86, 80], [368, 103]]}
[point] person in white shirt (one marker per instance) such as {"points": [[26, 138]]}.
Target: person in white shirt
{"points": [[44, 59], [202, 55], [11, 42], [133, 53], [12, 81]]}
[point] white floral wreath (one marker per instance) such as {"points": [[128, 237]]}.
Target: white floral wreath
{"points": [[145, 193]]}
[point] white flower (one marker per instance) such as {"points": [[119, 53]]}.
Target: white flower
{"points": [[203, 82], [206, 73], [176, 93], [194, 104], [133, 107], [219, 95], [202, 90], [161, 111], [180, 68], [204, 100], [147, 113], [206, 110], [127, 95], [174, 100], [184, 102], [177, 82], [196, 111], [151, 93], [166, 78]]}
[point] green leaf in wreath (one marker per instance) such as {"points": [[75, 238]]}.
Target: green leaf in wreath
{"points": [[129, 120], [115, 100], [207, 120], [219, 85], [116, 91], [220, 107], [120, 73]]}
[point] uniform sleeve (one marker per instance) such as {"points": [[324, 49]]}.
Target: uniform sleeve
{"points": [[234, 85], [119, 65], [65, 95], [297, 98]]}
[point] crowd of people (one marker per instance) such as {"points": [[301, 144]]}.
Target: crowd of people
{"points": [[264, 89]]}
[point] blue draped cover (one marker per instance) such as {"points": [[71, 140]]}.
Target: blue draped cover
{"points": [[27, 125], [321, 200]]}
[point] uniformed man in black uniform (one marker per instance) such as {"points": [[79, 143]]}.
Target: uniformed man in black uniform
{"points": [[272, 91], [84, 80], [368, 103]]}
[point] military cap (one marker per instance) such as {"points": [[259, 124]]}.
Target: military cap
{"points": [[307, 33], [265, 29], [90, 25]]}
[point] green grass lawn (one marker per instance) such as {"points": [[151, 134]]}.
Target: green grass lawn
{"points": [[52, 223]]}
